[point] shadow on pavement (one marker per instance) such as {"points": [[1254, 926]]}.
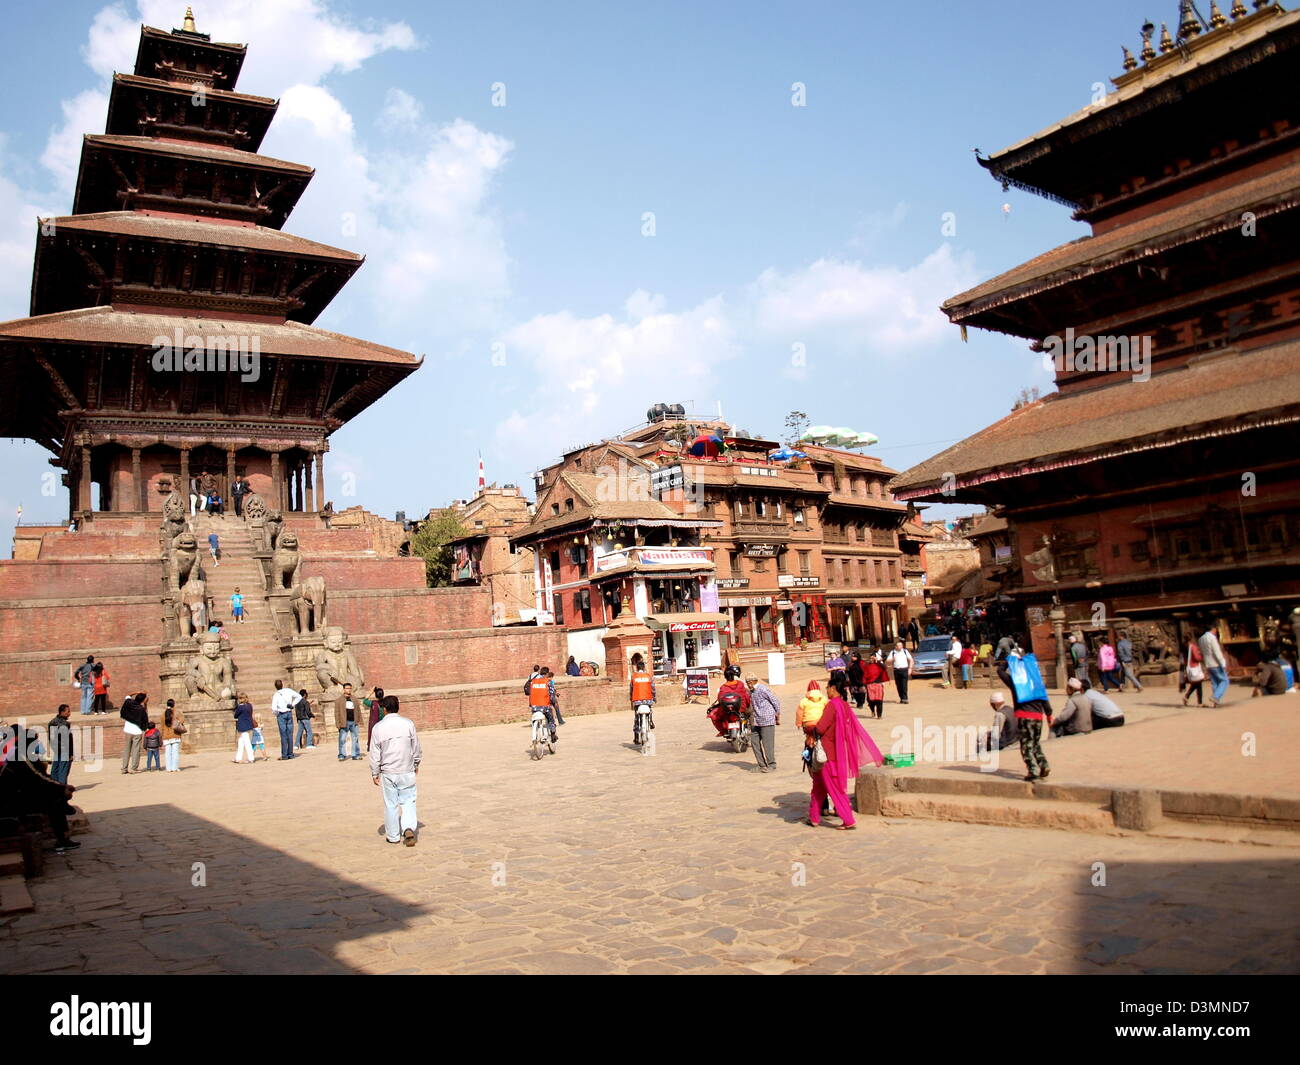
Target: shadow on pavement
{"points": [[155, 889]]}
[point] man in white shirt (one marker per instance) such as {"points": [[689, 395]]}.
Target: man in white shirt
{"points": [[394, 760], [1216, 665], [283, 702], [952, 657], [900, 661]]}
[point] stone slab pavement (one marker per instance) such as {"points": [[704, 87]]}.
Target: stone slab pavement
{"points": [[1248, 746], [601, 860]]}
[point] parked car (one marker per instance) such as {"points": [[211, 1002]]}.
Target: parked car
{"points": [[928, 658]]}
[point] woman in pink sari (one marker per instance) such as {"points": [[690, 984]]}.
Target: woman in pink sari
{"points": [[848, 747]]}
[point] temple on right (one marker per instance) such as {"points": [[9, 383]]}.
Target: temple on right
{"points": [[1157, 489]]}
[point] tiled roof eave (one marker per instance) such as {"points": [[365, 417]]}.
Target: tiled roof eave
{"points": [[1100, 453], [961, 308]]}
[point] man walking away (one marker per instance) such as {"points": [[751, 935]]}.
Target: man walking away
{"points": [[767, 715], [214, 548], [1215, 663], [394, 762], [59, 733], [900, 661], [1128, 664], [86, 675], [347, 718], [135, 719], [283, 702], [914, 633]]}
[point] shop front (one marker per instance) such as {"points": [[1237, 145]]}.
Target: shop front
{"points": [[686, 641]]}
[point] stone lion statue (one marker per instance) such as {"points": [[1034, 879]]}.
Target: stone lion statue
{"points": [[309, 605], [274, 523], [286, 563], [182, 561]]}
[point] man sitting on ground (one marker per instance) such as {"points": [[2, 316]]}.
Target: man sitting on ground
{"points": [[1086, 709], [1269, 679]]}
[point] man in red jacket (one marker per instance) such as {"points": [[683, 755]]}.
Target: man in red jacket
{"points": [[733, 695]]}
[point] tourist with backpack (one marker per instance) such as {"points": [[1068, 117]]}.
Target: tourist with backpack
{"points": [[1020, 673]]}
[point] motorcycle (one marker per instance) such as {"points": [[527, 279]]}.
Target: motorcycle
{"points": [[735, 726]]}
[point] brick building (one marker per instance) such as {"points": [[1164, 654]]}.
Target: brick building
{"points": [[861, 558], [485, 556]]}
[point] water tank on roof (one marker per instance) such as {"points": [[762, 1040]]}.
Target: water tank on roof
{"points": [[657, 413], [677, 411]]}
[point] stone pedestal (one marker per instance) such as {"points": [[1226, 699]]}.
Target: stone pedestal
{"points": [[302, 651], [280, 603], [625, 637]]}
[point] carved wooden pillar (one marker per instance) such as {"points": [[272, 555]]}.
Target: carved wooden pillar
{"points": [[320, 478], [184, 487], [228, 500], [83, 480], [277, 487], [300, 486], [311, 485], [137, 488]]}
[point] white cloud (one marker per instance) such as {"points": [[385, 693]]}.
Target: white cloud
{"points": [[882, 308], [290, 42], [402, 111], [603, 371], [82, 114]]}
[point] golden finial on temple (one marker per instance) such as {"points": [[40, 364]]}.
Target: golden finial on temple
{"points": [[1238, 9], [1217, 18], [1148, 53], [1129, 62], [1189, 25], [1166, 41], [188, 25]]}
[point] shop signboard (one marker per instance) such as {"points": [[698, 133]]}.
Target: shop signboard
{"points": [[733, 582], [762, 550], [748, 600], [789, 580], [697, 682], [667, 556], [691, 626]]}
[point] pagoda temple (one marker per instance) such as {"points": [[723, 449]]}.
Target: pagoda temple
{"points": [[1158, 488], [171, 316]]}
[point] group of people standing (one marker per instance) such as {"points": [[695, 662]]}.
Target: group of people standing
{"points": [[205, 495]]}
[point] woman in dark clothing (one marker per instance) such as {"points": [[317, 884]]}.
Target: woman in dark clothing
{"points": [[573, 669], [857, 682], [376, 713]]}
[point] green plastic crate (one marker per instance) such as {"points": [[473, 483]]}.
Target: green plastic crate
{"points": [[899, 760]]}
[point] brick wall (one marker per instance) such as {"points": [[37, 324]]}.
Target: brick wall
{"points": [[362, 573], [471, 656], [79, 580], [29, 686], [100, 545], [411, 610], [317, 543], [80, 626]]}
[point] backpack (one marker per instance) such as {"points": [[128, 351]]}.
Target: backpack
{"points": [[1026, 680]]}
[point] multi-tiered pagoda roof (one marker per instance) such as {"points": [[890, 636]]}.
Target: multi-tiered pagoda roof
{"points": [[176, 232]]}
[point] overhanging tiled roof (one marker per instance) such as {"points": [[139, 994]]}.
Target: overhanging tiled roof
{"points": [[201, 231], [193, 150], [131, 329], [1213, 395], [1265, 195]]}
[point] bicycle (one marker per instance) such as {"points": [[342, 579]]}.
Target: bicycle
{"points": [[541, 741]]}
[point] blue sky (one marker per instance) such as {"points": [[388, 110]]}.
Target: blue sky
{"points": [[506, 243]]}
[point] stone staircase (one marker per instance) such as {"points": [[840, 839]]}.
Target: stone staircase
{"points": [[254, 646]]}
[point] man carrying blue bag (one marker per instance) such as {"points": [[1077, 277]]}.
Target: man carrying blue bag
{"points": [[1019, 672]]}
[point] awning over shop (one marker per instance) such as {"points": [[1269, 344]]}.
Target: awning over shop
{"points": [[685, 622]]}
